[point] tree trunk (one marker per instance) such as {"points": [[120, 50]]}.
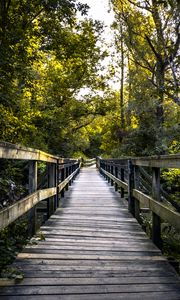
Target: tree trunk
{"points": [[160, 73], [128, 119], [122, 81]]}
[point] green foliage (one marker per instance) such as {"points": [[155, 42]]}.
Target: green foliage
{"points": [[12, 273], [172, 178], [171, 183], [49, 59], [150, 87], [13, 180], [171, 243], [46, 56], [12, 239]]}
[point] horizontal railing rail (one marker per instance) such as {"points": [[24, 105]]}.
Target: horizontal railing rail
{"points": [[60, 174], [127, 173], [89, 162]]}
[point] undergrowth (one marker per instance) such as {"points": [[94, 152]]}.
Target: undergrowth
{"points": [[12, 240], [170, 239]]}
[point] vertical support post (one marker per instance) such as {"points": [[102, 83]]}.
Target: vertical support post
{"points": [[136, 185], [57, 182], [122, 178], [72, 170], [99, 165], [75, 168], [51, 183], [116, 175], [106, 169], [56, 177], [32, 214], [112, 172], [130, 187], [156, 221], [109, 171], [78, 166], [62, 179], [103, 166], [67, 174]]}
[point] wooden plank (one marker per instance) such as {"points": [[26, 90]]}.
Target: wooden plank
{"points": [[121, 251], [91, 281], [66, 256], [89, 289], [122, 247], [101, 273], [170, 295], [96, 228]]}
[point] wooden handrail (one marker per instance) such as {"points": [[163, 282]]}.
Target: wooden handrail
{"points": [[89, 162], [10, 151], [113, 169], [159, 161], [61, 172]]}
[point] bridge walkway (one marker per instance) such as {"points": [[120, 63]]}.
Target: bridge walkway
{"points": [[93, 250]]}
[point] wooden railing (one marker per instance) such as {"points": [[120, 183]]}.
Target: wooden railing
{"points": [[89, 162], [60, 173], [126, 174]]}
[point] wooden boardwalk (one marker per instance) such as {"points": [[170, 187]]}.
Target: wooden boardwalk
{"points": [[93, 249]]}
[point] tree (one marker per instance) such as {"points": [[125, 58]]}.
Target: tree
{"points": [[152, 38], [46, 59]]}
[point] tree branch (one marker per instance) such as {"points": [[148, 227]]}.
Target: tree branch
{"points": [[153, 48], [83, 125], [140, 6], [175, 98], [149, 68]]}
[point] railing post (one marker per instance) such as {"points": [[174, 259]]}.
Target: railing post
{"points": [[103, 166], [57, 182], [109, 171], [136, 202], [67, 174], [156, 220], [51, 202], [116, 175], [122, 178], [32, 215], [130, 187], [70, 172], [62, 179], [98, 163], [78, 166], [112, 172]]}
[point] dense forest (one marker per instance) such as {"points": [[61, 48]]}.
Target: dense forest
{"points": [[55, 89]]}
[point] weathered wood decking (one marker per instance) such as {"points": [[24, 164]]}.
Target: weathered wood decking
{"points": [[93, 249]]}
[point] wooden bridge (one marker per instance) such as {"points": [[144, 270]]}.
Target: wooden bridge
{"points": [[94, 248]]}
